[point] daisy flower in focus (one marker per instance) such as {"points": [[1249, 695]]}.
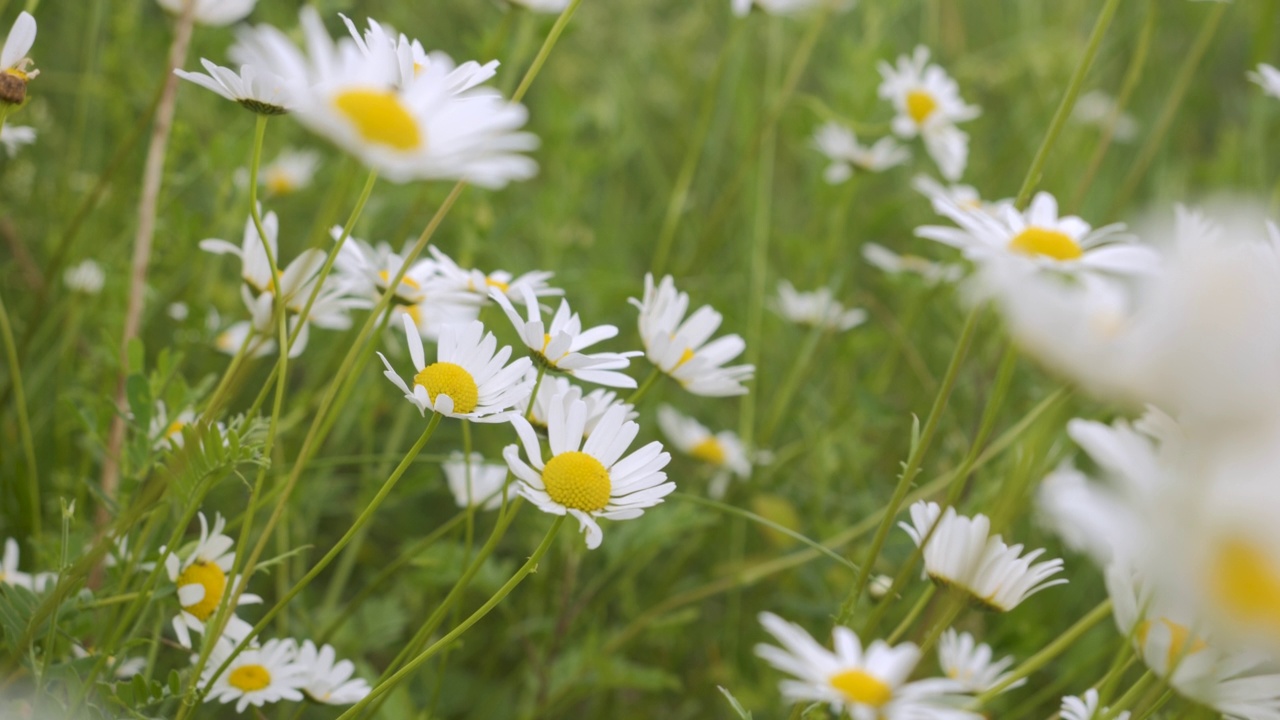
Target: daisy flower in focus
{"points": [[868, 684], [15, 66], [1041, 237], [1097, 108], [1086, 708], [212, 12], [470, 378], [895, 264], [561, 391], [13, 137], [961, 553], [968, 662], [257, 90], [723, 451], [326, 679], [817, 308], [928, 104], [289, 172], [1268, 78], [559, 345], [258, 675], [454, 278], [201, 577], [588, 479], [679, 347], [84, 277], [840, 145], [475, 484]]}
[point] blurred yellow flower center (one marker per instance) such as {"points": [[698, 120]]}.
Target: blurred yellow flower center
{"points": [[576, 480], [248, 678], [709, 450], [385, 277], [279, 183], [1247, 583], [1048, 243], [209, 576], [1181, 642], [862, 687], [490, 282], [380, 118], [446, 378], [174, 428], [920, 105]]}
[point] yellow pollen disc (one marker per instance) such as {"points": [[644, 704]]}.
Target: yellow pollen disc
{"points": [[380, 118], [385, 277], [1048, 243], [709, 450], [214, 581], [862, 687], [920, 105], [248, 678], [576, 480], [1247, 583], [280, 184], [497, 284], [452, 380], [174, 428], [1181, 642]]}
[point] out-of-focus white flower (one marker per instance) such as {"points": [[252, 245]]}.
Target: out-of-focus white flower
{"points": [[124, 669], [13, 137], [1097, 108], [1268, 78], [291, 171], [257, 90], [9, 572], [723, 450], [178, 311], [212, 12], [476, 483], [165, 432], [928, 104], [841, 147], [542, 6], [329, 680], [816, 308], [84, 277], [455, 279], [969, 663], [15, 66], [895, 264], [786, 7], [558, 389], [1085, 708]]}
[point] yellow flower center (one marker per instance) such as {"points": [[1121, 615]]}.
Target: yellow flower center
{"points": [[920, 105], [1181, 642], [709, 450], [449, 379], [862, 687], [279, 183], [209, 576], [576, 480], [385, 277], [1048, 243], [248, 678], [1247, 583], [490, 282], [175, 428], [380, 118]]}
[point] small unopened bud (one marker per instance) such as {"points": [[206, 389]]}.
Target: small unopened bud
{"points": [[880, 586]]}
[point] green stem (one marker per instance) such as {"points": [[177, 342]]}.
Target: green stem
{"points": [[739, 512], [1048, 653], [639, 392], [545, 51], [533, 401], [24, 424], [914, 613]]}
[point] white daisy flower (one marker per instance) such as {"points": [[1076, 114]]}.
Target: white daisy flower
{"points": [[201, 577], [968, 662], [589, 479], [895, 264], [412, 59], [840, 145], [328, 680], [455, 279], [212, 12], [15, 66], [255, 89], [559, 345], [1268, 78], [786, 7], [166, 432], [291, 171], [722, 451], [1096, 108], [14, 137], [928, 104], [679, 347], [868, 684], [542, 6], [963, 554], [1040, 237], [560, 390], [84, 277], [816, 308], [966, 196], [9, 572], [258, 675], [469, 380], [255, 266], [1086, 708], [475, 484]]}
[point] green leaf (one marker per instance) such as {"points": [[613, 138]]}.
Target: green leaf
{"points": [[138, 390], [733, 701]]}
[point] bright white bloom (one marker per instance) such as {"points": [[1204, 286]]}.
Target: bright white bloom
{"points": [[328, 680], [468, 379], [868, 684], [928, 104], [559, 345], [786, 7], [589, 480], [291, 171], [962, 553], [9, 573], [165, 432], [84, 277], [456, 279], [477, 483], [257, 90], [1268, 78], [895, 264], [968, 662], [722, 451], [543, 6], [258, 675], [212, 12], [840, 145], [560, 390], [817, 308], [679, 347], [412, 59], [1097, 108], [1086, 708], [13, 137], [201, 576], [1040, 237], [15, 66]]}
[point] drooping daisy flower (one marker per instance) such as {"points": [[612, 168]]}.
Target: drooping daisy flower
{"points": [[475, 484], [328, 680], [589, 479], [201, 577], [723, 451], [15, 66], [84, 277], [840, 145], [1040, 237], [255, 89], [560, 390], [291, 171], [470, 378], [679, 347], [963, 554], [454, 278], [817, 308], [868, 684], [1268, 78], [258, 675], [1086, 707], [9, 572], [1097, 108], [895, 264], [255, 266], [968, 662], [212, 12], [928, 104], [14, 137], [560, 345]]}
